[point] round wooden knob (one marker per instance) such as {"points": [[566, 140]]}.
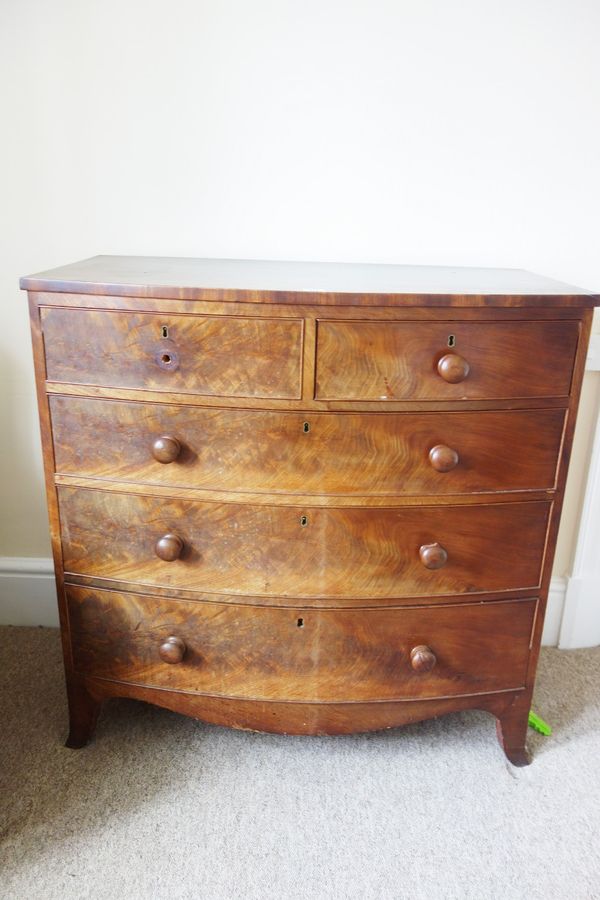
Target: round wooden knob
{"points": [[166, 449], [169, 547], [172, 650], [422, 658], [453, 368], [442, 458], [433, 556]]}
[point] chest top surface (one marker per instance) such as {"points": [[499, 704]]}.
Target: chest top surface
{"points": [[318, 283]]}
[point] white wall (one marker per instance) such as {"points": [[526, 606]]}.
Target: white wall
{"points": [[421, 132]]}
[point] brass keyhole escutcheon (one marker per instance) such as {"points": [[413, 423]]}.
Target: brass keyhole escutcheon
{"points": [[303, 521], [452, 340], [164, 331], [306, 427]]}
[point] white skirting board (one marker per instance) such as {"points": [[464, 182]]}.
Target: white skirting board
{"points": [[27, 592], [28, 596], [580, 626]]}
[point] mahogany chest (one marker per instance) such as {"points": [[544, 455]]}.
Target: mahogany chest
{"points": [[304, 498]]}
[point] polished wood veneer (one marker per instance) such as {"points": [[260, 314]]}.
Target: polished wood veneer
{"points": [[318, 453], [444, 360], [300, 654], [271, 551], [304, 498], [221, 355], [321, 284]]}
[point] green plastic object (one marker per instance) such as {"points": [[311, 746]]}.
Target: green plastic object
{"points": [[538, 724]]}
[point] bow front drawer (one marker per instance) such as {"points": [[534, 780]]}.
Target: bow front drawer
{"points": [[301, 654], [444, 360], [308, 453], [320, 553], [228, 356]]}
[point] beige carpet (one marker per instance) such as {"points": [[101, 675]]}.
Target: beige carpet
{"points": [[162, 806]]}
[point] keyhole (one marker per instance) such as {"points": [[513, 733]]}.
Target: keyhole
{"points": [[306, 428], [165, 331], [304, 521], [451, 340], [300, 623]]}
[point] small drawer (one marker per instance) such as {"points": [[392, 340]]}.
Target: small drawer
{"points": [[226, 356], [310, 453], [444, 360], [299, 654], [321, 553]]}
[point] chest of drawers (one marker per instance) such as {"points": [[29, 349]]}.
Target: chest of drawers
{"points": [[304, 498]]}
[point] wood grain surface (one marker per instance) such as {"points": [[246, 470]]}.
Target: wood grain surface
{"points": [[219, 355], [303, 404], [396, 360], [281, 717], [301, 551], [309, 453], [302, 306], [326, 283], [301, 654]]}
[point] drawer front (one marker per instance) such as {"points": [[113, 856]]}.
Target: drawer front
{"points": [[297, 654], [212, 355], [320, 453], [413, 361], [302, 552]]}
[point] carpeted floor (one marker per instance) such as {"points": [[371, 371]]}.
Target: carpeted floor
{"points": [[160, 806]]}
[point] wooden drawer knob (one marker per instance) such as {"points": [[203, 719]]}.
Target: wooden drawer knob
{"points": [[453, 368], [442, 458], [422, 658], [433, 556], [172, 650], [166, 449], [169, 547]]}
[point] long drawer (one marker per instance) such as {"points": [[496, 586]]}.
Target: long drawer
{"points": [[228, 356], [444, 360], [312, 453], [301, 654], [303, 552]]}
